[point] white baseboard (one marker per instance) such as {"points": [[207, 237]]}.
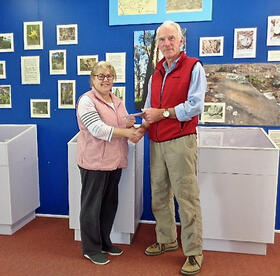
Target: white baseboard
{"points": [[147, 221], [154, 222], [52, 216]]}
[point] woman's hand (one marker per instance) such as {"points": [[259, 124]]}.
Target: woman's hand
{"points": [[130, 121], [128, 133], [131, 133]]}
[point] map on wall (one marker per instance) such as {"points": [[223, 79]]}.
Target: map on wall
{"points": [[124, 12], [128, 7], [251, 92]]}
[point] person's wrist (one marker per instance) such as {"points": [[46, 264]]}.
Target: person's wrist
{"points": [[166, 113]]}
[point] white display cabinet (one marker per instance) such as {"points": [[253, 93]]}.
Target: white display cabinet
{"points": [[130, 206], [19, 189], [238, 176]]}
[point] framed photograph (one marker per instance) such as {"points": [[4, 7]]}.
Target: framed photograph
{"points": [[7, 42], [30, 70], [66, 93], [5, 96], [40, 108], [245, 41], [33, 35], [213, 113], [119, 91], [2, 69], [211, 46], [273, 31], [85, 64], [57, 60], [67, 34], [124, 12]]}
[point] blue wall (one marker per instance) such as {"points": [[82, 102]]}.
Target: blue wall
{"points": [[96, 37]]}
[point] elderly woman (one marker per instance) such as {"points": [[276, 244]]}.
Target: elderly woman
{"points": [[101, 156]]}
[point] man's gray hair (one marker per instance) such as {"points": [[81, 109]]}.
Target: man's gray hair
{"points": [[170, 23]]}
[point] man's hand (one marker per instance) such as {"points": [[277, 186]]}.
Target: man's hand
{"points": [[152, 115]]}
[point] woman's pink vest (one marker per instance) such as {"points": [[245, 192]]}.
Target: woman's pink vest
{"points": [[97, 154]]}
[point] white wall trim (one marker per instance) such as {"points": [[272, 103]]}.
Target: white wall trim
{"points": [[154, 222], [52, 216]]}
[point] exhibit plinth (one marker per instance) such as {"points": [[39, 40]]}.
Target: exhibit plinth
{"points": [[238, 176], [130, 206], [19, 189]]}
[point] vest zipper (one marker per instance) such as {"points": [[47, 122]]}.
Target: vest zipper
{"points": [[161, 92]]}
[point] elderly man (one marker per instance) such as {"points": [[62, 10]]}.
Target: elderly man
{"points": [[174, 101]]}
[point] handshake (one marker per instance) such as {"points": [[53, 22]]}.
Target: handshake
{"points": [[151, 115], [132, 133], [136, 134]]}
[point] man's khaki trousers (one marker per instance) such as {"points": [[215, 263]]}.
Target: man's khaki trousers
{"points": [[174, 172]]}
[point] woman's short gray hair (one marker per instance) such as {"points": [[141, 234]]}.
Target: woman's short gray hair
{"points": [[170, 23]]}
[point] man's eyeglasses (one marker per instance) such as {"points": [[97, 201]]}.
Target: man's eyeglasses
{"points": [[102, 77]]}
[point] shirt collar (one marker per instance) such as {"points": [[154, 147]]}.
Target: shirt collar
{"points": [[172, 66]]}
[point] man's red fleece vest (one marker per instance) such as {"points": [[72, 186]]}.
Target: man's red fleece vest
{"points": [[175, 91]]}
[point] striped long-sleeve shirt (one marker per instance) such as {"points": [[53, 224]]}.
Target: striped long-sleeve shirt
{"points": [[91, 119]]}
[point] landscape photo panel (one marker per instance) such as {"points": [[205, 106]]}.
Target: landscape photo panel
{"points": [[251, 92]]}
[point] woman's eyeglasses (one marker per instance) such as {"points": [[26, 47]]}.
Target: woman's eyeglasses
{"points": [[102, 77]]}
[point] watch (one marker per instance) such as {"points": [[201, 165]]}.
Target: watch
{"points": [[166, 113]]}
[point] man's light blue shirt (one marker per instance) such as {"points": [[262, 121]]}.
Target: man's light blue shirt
{"points": [[193, 106]]}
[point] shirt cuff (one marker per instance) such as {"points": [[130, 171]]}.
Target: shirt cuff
{"points": [[181, 113]]}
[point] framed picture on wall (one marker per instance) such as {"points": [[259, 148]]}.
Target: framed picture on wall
{"points": [[30, 70], [124, 12], [85, 64], [273, 31], [7, 42], [2, 69], [66, 93], [33, 35], [5, 96], [119, 91], [67, 34], [40, 108], [211, 46], [213, 113], [245, 41], [57, 61], [118, 60]]}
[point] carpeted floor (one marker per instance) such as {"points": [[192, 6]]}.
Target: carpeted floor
{"points": [[46, 246]]}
